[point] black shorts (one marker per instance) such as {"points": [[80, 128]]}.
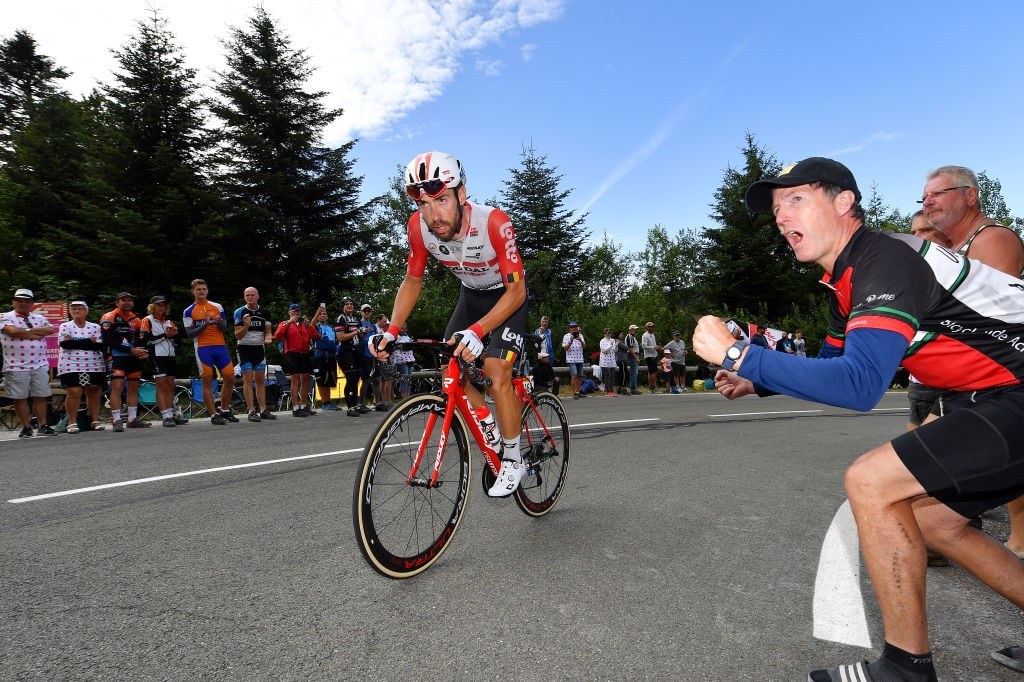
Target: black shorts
{"points": [[83, 379], [298, 363], [652, 364], [126, 366], [972, 459], [678, 370], [923, 401], [326, 370], [252, 358], [163, 366], [506, 341]]}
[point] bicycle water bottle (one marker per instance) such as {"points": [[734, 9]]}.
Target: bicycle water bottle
{"points": [[487, 425]]}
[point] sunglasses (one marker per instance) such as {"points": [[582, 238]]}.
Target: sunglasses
{"points": [[432, 188]]}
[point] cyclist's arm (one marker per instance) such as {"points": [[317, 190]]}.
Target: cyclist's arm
{"points": [[405, 300]]}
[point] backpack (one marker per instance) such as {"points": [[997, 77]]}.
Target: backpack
{"points": [[588, 386]]}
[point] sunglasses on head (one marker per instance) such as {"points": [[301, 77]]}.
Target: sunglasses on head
{"points": [[432, 188]]}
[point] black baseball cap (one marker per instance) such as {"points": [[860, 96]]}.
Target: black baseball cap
{"points": [[158, 299], [813, 169]]}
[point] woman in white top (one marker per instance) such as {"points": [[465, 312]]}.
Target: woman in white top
{"points": [[609, 347], [80, 365]]}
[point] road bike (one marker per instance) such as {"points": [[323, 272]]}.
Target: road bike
{"points": [[414, 478]]}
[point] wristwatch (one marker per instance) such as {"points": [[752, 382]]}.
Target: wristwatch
{"points": [[733, 354]]}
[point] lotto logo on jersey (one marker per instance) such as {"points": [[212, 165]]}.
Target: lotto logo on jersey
{"points": [[509, 235], [512, 337]]}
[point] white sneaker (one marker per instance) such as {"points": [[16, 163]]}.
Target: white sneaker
{"points": [[509, 476]]}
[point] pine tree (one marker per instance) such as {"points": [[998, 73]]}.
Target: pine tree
{"points": [[26, 77], [155, 157], [747, 264], [552, 240], [292, 222]]}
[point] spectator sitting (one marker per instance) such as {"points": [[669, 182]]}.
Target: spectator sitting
{"points": [[544, 374]]}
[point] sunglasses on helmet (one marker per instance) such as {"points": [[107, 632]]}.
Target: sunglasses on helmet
{"points": [[432, 188]]}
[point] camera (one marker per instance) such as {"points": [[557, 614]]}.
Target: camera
{"points": [[575, 335]]}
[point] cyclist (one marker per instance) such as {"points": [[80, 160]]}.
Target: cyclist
{"points": [[254, 330], [206, 324], [120, 329], [478, 245]]}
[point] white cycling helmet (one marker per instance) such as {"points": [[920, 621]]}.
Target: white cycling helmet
{"points": [[432, 173]]}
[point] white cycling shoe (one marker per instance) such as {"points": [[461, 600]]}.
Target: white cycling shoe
{"points": [[509, 476]]}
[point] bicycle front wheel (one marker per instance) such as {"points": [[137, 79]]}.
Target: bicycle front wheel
{"points": [[544, 442], [402, 523]]}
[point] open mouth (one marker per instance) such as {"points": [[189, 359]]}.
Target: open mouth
{"points": [[794, 238]]}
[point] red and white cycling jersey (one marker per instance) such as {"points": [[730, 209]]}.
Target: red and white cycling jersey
{"points": [[486, 258]]}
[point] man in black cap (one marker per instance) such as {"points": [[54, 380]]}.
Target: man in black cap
{"points": [[899, 300]]}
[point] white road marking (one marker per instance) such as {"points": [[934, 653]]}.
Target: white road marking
{"points": [[838, 606], [199, 472], [754, 414]]}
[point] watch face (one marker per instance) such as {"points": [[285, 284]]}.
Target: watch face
{"points": [[733, 353]]}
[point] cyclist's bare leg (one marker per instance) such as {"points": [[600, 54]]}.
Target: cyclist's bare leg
{"points": [[507, 409]]}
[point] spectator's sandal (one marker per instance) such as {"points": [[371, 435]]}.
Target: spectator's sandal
{"points": [[96, 426]]}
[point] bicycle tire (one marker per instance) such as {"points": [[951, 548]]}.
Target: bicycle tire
{"points": [[546, 453], [402, 529]]}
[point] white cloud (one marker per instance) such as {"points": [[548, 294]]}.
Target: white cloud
{"points": [[376, 60], [491, 67], [527, 51], [866, 142]]}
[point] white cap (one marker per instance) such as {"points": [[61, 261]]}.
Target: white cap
{"points": [[83, 303], [24, 293]]}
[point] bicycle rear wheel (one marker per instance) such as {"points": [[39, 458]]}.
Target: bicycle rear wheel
{"points": [[544, 443], [403, 527]]}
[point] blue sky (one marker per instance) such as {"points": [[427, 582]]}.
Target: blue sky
{"points": [[640, 105]]}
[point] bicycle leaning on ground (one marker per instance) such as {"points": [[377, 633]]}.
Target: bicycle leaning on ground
{"points": [[413, 482]]}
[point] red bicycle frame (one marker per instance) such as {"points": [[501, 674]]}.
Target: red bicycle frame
{"points": [[456, 399]]}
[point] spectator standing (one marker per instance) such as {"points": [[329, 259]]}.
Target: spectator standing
{"points": [[325, 359], [384, 372], [785, 344], [633, 358], [677, 349], [799, 344], [366, 329], [350, 356], [120, 328], [26, 369], [404, 360], [544, 332], [297, 333], [206, 324], [651, 351], [607, 362], [621, 355], [80, 365], [159, 335], [254, 330], [574, 344]]}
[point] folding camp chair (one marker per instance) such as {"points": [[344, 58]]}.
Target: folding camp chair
{"points": [[147, 400]]}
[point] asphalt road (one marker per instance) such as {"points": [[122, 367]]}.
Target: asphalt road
{"points": [[685, 547]]}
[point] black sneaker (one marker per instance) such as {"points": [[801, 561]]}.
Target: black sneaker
{"points": [[254, 416], [26, 432], [46, 430], [169, 421], [138, 424], [118, 426], [267, 414], [229, 416], [299, 413], [179, 420], [218, 419], [363, 409], [354, 412], [308, 410]]}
